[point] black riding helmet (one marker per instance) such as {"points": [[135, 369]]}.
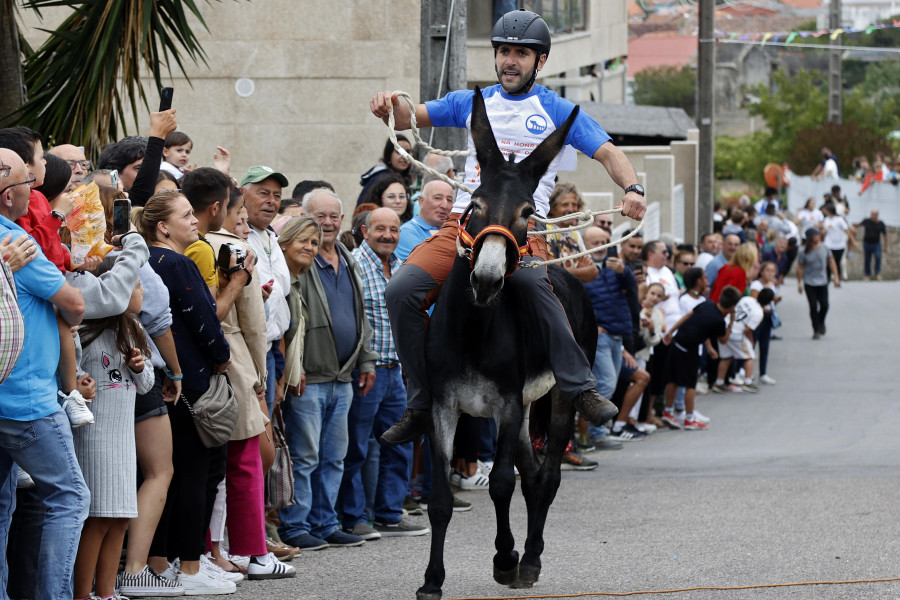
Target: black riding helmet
{"points": [[522, 28]]}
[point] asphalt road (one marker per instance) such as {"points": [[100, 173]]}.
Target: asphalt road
{"points": [[798, 483]]}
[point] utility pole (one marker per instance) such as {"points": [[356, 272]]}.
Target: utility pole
{"points": [[443, 65], [835, 77], [706, 65]]}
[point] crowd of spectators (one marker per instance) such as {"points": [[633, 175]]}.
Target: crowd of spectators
{"points": [[224, 276]]}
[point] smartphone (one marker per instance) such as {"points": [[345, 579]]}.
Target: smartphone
{"points": [[613, 251], [121, 216], [165, 98], [114, 179]]}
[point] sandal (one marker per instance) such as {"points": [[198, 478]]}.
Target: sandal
{"points": [[226, 565]]}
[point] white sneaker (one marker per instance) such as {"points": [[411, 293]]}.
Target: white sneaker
{"points": [[241, 561], [171, 573], [202, 583], [701, 417], [767, 380], [273, 569], [485, 467], [701, 388], [646, 428], [214, 570], [76, 409], [738, 379], [478, 481]]}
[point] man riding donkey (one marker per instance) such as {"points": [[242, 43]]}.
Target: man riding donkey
{"points": [[522, 114]]}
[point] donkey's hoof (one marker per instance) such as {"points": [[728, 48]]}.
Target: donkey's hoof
{"points": [[420, 595], [528, 576], [506, 577]]}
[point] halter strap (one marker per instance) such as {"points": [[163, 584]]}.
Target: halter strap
{"points": [[470, 243]]}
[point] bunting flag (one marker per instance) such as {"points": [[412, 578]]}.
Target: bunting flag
{"points": [[790, 36]]}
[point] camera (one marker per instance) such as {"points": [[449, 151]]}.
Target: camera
{"points": [[226, 251]]}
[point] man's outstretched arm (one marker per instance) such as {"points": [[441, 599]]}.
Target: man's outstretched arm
{"points": [[382, 103], [622, 172]]}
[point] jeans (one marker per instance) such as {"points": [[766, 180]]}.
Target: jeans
{"points": [[373, 414], [44, 449], [315, 425], [606, 367], [270, 381], [871, 250]]}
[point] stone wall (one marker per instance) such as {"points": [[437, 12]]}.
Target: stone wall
{"points": [[890, 259]]}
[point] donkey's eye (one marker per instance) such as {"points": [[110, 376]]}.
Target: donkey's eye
{"points": [[526, 212]]}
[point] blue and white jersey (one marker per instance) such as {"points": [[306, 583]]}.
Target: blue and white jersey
{"points": [[520, 123]]}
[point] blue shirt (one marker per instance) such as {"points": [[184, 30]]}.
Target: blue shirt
{"points": [[519, 124], [30, 391], [412, 233], [712, 269], [339, 294]]}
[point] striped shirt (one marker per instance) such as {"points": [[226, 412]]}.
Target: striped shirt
{"points": [[374, 281], [12, 326]]}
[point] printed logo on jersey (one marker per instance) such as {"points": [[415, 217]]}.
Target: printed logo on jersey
{"points": [[536, 124]]}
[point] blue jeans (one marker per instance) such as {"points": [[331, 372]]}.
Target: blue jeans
{"points": [[871, 250], [372, 414], [606, 367], [316, 430], [44, 449]]}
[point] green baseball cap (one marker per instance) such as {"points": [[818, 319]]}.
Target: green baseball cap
{"points": [[260, 173]]}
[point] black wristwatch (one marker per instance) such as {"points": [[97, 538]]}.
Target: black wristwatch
{"points": [[58, 215], [636, 188]]}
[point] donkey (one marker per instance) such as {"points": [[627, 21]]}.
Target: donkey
{"points": [[481, 360]]}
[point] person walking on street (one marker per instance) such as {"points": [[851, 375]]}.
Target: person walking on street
{"points": [[812, 273]]}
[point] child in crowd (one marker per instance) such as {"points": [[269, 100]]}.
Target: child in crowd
{"points": [[176, 154], [115, 349], [653, 322], [694, 328], [747, 316], [768, 278]]}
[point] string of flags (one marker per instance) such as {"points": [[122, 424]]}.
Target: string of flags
{"points": [[786, 37]]}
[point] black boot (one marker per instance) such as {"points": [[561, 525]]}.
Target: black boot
{"points": [[411, 425], [594, 407]]}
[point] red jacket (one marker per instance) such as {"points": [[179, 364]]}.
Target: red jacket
{"points": [[44, 228], [729, 275]]}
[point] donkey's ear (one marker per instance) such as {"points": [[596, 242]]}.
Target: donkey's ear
{"points": [[486, 150], [535, 164]]}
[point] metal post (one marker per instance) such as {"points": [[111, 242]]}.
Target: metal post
{"points": [[706, 117], [835, 77], [439, 40]]}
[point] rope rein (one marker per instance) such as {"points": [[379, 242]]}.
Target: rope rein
{"points": [[586, 216]]}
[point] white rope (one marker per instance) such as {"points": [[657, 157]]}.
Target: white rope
{"points": [[587, 216]]}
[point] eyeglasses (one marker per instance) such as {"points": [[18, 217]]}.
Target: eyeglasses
{"points": [[687, 264], [84, 164], [5, 169], [12, 185]]}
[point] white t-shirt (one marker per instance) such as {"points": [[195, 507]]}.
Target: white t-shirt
{"points": [[747, 313], [703, 259], [835, 233], [830, 170], [758, 286], [809, 218], [271, 265], [670, 306]]}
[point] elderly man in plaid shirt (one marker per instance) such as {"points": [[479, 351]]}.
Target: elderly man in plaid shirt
{"points": [[384, 404]]}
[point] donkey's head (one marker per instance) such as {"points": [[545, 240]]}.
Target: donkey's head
{"points": [[503, 203]]}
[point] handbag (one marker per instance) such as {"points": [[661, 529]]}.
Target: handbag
{"points": [[215, 413], [280, 478]]}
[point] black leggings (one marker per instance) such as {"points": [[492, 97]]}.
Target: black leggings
{"points": [[181, 532], [817, 296]]}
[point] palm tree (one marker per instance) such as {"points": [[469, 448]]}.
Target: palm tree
{"points": [[78, 83]]}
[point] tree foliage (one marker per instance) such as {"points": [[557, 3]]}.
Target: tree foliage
{"points": [[89, 69], [796, 112], [667, 86]]}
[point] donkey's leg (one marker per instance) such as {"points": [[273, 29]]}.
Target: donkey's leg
{"points": [[440, 505], [508, 415], [540, 491]]}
